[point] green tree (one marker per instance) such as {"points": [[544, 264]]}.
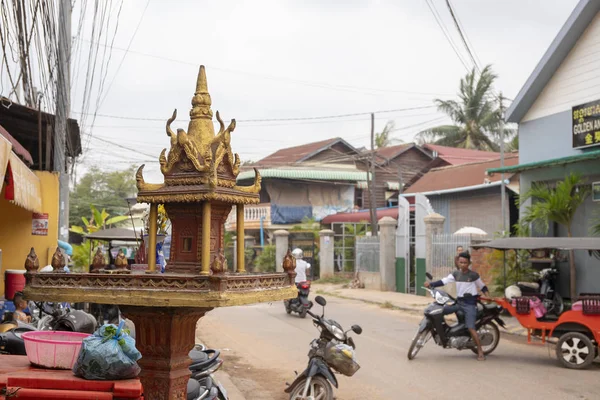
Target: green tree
{"points": [[105, 190], [557, 204], [477, 115], [383, 139], [100, 220]]}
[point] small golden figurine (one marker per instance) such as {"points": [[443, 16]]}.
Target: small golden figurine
{"points": [[121, 260], [289, 262], [219, 264], [58, 261], [99, 262], [32, 264]]}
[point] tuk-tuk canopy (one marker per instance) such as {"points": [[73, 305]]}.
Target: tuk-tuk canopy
{"points": [[538, 243]]}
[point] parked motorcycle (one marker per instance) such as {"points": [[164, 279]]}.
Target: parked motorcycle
{"points": [[545, 289], [456, 336], [334, 349], [300, 304], [202, 384]]}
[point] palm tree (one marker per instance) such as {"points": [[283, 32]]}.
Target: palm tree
{"points": [[476, 115], [557, 204], [383, 139]]}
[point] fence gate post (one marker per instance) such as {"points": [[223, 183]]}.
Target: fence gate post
{"points": [[281, 248], [434, 225], [403, 246], [422, 209], [387, 254], [326, 253]]}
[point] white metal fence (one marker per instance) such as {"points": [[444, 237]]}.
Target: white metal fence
{"points": [[443, 251], [367, 254]]}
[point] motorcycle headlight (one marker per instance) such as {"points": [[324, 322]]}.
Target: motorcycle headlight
{"points": [[441, 299], [338, 333]]}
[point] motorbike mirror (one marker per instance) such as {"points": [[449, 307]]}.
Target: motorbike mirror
{"points": [[356, 329], [428, 275], [320, 301]]}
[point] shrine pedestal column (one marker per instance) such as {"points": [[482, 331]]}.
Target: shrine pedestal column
{"points": [[164, 336], [241, 242], [206, 220], [152, 228]]}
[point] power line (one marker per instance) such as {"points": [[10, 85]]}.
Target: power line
{"points": [[272, 119], [460, 33], [324, 85], [440, 23]]}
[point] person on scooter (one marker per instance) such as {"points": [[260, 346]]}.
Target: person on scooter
{"points": [[468, 285], [302, 267]]}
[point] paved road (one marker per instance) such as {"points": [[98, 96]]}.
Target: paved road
{"points": [[262, 346]]}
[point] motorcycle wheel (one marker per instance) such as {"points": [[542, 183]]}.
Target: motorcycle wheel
{"points": [[319, 389], [303, 313], [288, 309], [417, 343], [495, 332]]}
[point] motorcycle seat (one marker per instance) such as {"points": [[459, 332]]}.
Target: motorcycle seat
{"points": [[201, 360], [193, 390]]}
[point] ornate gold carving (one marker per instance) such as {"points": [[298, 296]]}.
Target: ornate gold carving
{"points": [[58, 260], [141, 184], [255, 188], [196, 197], [121, 260], [289, 262], [99, 262], [219, 264], [223, 149], [32, 263]]}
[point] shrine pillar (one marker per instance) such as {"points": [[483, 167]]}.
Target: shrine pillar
{"points": [[241, 244], [206, 220], [152, 228]]}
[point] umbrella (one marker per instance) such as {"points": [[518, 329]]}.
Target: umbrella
{"points": [[470, 230]]}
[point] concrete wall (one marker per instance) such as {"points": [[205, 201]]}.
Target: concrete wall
{"points": [[15, 228], [371, 280]]}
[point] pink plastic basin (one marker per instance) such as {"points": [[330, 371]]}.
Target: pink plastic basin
{"points": [[51, 349]]}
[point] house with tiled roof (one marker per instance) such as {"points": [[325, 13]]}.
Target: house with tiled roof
{"points": [[466, 196]]}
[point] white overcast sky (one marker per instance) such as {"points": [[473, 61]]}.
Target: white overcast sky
{"points": [[287, 59]]}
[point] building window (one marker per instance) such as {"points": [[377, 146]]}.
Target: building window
{"points": [[358, 197], [187, 245]]}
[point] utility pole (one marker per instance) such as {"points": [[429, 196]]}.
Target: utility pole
{"points": [[371, 180], [22, 35], [63, 105], [502, 185]]}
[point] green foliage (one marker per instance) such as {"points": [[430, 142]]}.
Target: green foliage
{"points": [[556, 204], [100, 220], [383, 138], [477, 115], [105, 190], [515, 262], [265, 262]]}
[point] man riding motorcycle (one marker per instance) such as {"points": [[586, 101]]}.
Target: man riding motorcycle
{"points": [[302, 267], [300, 304]]}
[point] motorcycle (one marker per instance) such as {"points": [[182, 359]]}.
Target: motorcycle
{"points": [[300, 304], [545, 289], [334, 349], [202, 384], [456, 336]]}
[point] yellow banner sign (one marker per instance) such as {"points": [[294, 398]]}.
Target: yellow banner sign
{"points": [[27, 187], [5, 149]]}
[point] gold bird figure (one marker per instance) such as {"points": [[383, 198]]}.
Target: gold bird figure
{"points": [[121, 260], [289, 262], [32, 263], [58, 261], [219, 264], [99, 262]]}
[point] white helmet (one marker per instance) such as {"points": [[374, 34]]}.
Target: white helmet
{"points": [[512, 291], [297, 253]]}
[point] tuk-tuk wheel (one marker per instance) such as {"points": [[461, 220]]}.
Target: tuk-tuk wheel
{"points": [[575, 350]]}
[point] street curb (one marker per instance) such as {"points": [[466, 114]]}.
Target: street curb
{"points": [[233, 393], [515, 331]]}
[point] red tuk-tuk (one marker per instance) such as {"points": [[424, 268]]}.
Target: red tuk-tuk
{"points": [[577, 329]]}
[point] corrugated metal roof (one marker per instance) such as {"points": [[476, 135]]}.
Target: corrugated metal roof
{"points": [[589, 155], [309, 174]]}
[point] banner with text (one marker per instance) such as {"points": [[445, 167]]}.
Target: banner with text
{"points": [[586, 125]]}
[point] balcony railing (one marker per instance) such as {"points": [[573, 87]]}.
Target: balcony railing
{"points": [[252, 216]]}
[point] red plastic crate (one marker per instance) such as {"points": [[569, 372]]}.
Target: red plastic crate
{"points": [[36, 383]]}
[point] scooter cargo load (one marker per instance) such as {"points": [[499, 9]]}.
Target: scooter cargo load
{"points": [[341, 358]]}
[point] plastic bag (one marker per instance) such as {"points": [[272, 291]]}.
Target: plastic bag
{"points": [[109, 354]]}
